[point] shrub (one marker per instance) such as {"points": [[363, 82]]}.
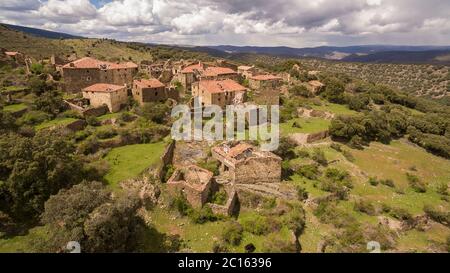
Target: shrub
{"points": [[92, 121], [365, 206], [437, 215], [401, 214], [373, 181], [33, 118], [275, 244], [415, 183], [219, 197], [258, 225], [302, 194], [319, 156], [387, 182], [202, 216], [106, 133], [348, 155], [309, 171], [336, 147], [232, 233], [442, 189]]}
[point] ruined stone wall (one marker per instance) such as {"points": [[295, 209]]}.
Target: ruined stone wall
{"points": [[75, 79], [195, 197], [113, 100], [258, 170]]}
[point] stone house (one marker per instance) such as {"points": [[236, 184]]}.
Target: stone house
{"points": [[113, 96], [243, 163], [246, 71], [264, 81], [315, 87], [87, 71], [15, 56], [193, 182], [219, 92], [149, 91], [201, 71]]}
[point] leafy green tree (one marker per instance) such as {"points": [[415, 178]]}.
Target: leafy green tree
{"points": [[50, 102], [34, 169]]}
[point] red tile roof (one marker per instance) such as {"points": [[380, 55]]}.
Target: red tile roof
{"points": [[221, 86], [213, 71], [239, 149], [265, 77], [103, 87], [192, 68], [88, 62], [152, 83], [11, 53]]}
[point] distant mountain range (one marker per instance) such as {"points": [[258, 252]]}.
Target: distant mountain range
{"points": [[42, 33], [364, 53]]}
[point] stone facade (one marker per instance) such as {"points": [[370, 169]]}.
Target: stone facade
{"points": [[245, 164], [113, 96], [264, 81], [82, 106], [203, 71], [246, 71], [192, 181], [87, 71], [219, 92]]}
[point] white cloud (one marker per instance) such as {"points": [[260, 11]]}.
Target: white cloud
{"points": [[263, 22]]}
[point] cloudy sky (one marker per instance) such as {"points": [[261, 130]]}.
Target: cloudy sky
{"points": [[296, 23]]}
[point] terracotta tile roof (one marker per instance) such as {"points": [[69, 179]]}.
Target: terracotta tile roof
{"points": [[11, 53], [239, 149], [265, 77], [152, 83], [245, 67], [221, 86], [89, 62], [316, 83], [213, 71], [192, 68], [103, 87]]}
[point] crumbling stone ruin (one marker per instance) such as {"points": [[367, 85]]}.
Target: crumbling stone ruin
{"points": [[194, 182], [113, 96], [243, 163]]}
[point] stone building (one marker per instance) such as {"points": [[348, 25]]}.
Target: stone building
{"points": [[193, 182], [87, 71], [15, 56], [202, 71], [246, 71], [264, 81], [243, 163], [219, 92], [149, 91], [113, 96]]}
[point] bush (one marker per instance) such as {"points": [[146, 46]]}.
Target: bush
{"points": [[388, 182], [365, 206], [437, 215], [348, 155], [232, 233], [302, 194], [258, 225], [106, 133], [336, 147], [202, 216], [319, 156], [401, 214], [92, 121], [33, 118], [219, 197], [275, 244], [309, 171], [373, 181], [415, 183]]}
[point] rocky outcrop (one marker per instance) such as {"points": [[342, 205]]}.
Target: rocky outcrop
{"points": [[302, 139]]}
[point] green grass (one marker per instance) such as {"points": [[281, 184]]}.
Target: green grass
{"points": [[337, 109], [55, 122], [14, 88], [129, 161], [308, 125], [108, 116], [25, 243], [15, 107]]}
